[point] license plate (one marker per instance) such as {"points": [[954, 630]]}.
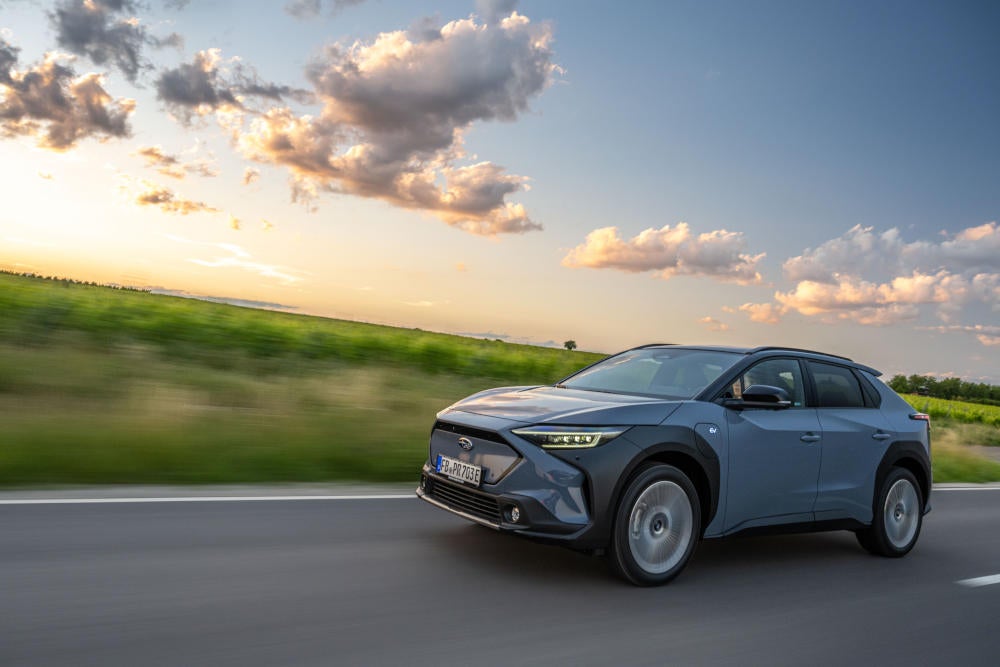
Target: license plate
{"points": [[460, 471]]}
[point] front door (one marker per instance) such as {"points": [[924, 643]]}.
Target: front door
{"points": [[774, 455]]}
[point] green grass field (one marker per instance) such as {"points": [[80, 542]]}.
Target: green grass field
{"points": [[959, 411], [110, 386]]}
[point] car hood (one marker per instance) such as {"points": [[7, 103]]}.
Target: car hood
{"points": [[554, 405]]}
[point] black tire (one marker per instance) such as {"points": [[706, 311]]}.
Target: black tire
{"points": [[896, 522], [673, 529]]}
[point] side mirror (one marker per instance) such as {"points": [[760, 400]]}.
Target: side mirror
{"points": [[761, 396]]}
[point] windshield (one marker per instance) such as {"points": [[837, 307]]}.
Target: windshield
{"points": [[660, 372]]}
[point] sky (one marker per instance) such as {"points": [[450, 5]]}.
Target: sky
{"points": [[817, 175]]}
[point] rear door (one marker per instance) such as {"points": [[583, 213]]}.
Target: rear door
{"points": [[774, 455], [855, 436]]}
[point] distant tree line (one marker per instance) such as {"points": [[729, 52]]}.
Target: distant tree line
{"points": [[950, 388], [72, 281]]}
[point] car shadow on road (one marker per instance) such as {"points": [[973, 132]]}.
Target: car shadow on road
{"points": [[780, 557]]}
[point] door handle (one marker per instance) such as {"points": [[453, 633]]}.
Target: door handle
{"points": [[810, 437], [881, 436]]}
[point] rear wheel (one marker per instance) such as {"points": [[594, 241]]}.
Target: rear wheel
{"points": [[897, 516], [657, 526]]}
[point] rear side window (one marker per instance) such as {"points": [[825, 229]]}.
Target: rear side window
{"points": [[836, 386]]}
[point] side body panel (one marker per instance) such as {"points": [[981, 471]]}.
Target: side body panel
{"points": [[774, 463]]}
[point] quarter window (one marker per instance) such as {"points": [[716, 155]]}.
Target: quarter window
{"points": [[836, 386]]}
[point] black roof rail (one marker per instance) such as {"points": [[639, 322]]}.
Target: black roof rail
{"points": [[652, 345], [797, 349]]}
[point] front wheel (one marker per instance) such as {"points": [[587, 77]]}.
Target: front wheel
{"points": [[897, 516], [657, 526]]}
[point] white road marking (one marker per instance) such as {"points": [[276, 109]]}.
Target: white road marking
{"points": [[980, 581], [967, 488], [191, 499]]}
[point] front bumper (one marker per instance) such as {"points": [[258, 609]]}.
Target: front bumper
{"points": [[564, 496], [494, 510]]}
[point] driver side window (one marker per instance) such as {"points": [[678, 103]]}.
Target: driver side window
{"points": [[781, 373]]}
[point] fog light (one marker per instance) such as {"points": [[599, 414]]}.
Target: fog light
{"points": [[515, 514]]}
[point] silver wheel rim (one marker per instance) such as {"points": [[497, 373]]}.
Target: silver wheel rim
{"points": [[901, 513], [660, 527]]}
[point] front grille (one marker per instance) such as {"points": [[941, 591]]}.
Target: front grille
{"points": [[470, 431], [465, 500]]}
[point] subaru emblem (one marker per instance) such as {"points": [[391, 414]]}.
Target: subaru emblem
{"points": [[465, 443]]}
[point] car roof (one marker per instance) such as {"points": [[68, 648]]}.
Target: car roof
{"points": [[771, 350]]}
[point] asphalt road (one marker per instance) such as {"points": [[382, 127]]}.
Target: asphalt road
{"points": [[397, 582]]}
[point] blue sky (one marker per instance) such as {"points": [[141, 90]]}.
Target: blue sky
{"points": [[836, 167]]}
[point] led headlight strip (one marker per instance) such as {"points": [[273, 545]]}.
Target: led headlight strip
{"points": [[570, 437]]}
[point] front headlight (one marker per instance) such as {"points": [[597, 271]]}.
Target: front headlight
{"points": [[570, 437]]}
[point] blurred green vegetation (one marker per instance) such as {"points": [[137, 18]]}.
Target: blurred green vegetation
{"points": [[112, 386], [959, 411], [99, 385]]}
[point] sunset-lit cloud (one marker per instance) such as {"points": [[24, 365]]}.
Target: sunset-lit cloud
{"points": [[49, 102], [765, 313], [162, 197], [873, 303], [393, 114], [669, 251], [713, 324], [172, 165], [250, 175]]}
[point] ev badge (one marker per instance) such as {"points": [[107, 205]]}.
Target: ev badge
{"points": [[465, 443], [713, 429]]}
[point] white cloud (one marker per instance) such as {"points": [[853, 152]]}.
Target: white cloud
{"points": [[878, 278], [238, 258], [670, 251], [858, 250], [861, 250]]}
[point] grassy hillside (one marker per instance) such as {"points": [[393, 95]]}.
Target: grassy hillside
{"points": [[34, 311], [110, 386], [102, 385]]}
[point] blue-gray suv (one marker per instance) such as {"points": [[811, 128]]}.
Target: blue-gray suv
{"points": [[643, 454]]}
